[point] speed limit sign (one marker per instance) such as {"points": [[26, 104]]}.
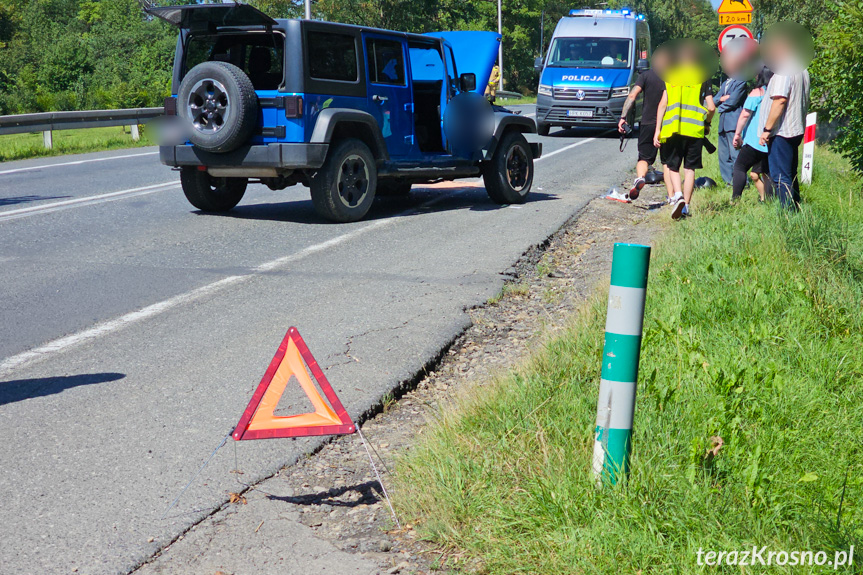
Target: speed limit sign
{"points": [[732, 33]]}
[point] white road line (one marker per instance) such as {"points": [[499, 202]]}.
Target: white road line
{"points": [[101, 329], [74, 163], [85, 201], [565, 148]]}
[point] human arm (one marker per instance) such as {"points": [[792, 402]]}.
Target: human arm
{"points": [[745, 114], [627, 106], [734, 98], [711, 109], [777, 108], [660, 115]]}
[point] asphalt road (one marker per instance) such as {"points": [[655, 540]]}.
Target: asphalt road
{"points": [[133, 329]]}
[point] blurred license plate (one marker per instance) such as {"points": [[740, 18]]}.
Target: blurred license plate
{"points": [[579, 113]]}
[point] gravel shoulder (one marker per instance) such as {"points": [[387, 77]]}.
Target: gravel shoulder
{"points": [[326, 513]]}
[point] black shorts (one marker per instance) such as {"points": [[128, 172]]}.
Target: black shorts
{"points": [[646, 149], [685, 150], [748, 158]]}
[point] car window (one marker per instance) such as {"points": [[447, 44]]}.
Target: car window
{"points": [[426, 63], [386, 61], [590, 52], [332, 57], [260, 56]]}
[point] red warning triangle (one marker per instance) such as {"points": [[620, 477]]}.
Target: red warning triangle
{"points": [[259, 420]]}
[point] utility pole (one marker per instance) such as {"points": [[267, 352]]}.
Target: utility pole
{"points": [[500, 47], [308, 9]]}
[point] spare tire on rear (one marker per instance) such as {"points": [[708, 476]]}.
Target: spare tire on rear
{"points": [[217, 102]]}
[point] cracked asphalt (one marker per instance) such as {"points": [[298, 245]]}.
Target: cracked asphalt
{"points": [[135, 329]]}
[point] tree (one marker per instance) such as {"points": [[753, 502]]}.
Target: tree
{"points": [[837, 74]]}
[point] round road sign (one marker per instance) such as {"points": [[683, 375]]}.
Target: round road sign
{"points": [[732, 33]]}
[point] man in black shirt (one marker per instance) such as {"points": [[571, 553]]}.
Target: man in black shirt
{"points": [[652, 86]]}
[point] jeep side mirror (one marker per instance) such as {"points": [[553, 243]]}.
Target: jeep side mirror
{"points": [[537, 64], [467, 82], [642, 65]]}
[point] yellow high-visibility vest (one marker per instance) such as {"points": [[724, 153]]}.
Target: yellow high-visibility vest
{"points": [[684, 114]]}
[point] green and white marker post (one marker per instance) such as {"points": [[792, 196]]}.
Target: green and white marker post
{"points": [[623, 325]]}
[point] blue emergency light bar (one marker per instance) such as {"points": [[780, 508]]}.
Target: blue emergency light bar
{"points": [[622, 13]]}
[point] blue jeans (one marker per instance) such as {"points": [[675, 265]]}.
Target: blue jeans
{"points": [[782, 154]]}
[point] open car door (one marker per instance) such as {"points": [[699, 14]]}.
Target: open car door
{"points": [[211, 16]]}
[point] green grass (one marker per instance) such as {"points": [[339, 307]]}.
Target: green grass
{"points": [[524, 100], [22, 146], [754, 333]]}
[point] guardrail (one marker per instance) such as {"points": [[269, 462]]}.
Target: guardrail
{"points": [[47, 122]]}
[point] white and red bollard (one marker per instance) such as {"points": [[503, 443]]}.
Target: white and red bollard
{"points": [[808, 149]]}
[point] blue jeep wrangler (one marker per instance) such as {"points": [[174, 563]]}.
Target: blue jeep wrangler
{"points": [[350, 112]]}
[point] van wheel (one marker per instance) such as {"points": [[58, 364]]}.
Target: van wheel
{"points": [[343, 189], [509, 174], [542, 128], [210, 194]]}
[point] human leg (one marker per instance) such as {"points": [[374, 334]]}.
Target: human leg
{"points": [[780, 157], [726, 156]]}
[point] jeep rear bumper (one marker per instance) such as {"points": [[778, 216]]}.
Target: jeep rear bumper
{"points": [[272, 156]]}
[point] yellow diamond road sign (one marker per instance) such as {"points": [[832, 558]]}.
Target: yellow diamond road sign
{"points": [[733, 6], [735, 18]]}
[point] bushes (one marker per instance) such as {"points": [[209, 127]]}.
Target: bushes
{"points": [[838, 78], [71, 54]]}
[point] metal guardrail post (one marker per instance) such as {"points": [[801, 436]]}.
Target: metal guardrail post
{"points": [[620, 354]]}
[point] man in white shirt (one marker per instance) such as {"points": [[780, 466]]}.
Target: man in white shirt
{"points": [[782, 118]]}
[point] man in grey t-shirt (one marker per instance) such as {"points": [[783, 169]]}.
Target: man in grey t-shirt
{"points": [[782, 120]]}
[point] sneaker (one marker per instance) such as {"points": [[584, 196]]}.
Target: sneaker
{"points": [[678, 209], [673, 200], [685, 211], [636, 188]]}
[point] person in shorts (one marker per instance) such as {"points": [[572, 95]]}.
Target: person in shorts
{"points": [[651, 85], [686, 110]]}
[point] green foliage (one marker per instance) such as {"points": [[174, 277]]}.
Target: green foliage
{"points": [[752, 334], [674, 19], [838, 78], [79, 54], [810, 13]]}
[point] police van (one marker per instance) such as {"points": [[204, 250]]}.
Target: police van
{"points": [[592, 62]]}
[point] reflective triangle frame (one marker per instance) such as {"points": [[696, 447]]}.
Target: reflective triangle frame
{"points": [[259, 421]]}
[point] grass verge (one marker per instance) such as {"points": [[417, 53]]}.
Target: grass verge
{"points": [[524, 100], [23, 146], [753, 333]]}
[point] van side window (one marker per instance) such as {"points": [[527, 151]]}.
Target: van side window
{"points": [[386, 61], [642, 48], [332, 57]]}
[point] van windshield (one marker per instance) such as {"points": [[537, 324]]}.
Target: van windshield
{"points": [[590, 52]]}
